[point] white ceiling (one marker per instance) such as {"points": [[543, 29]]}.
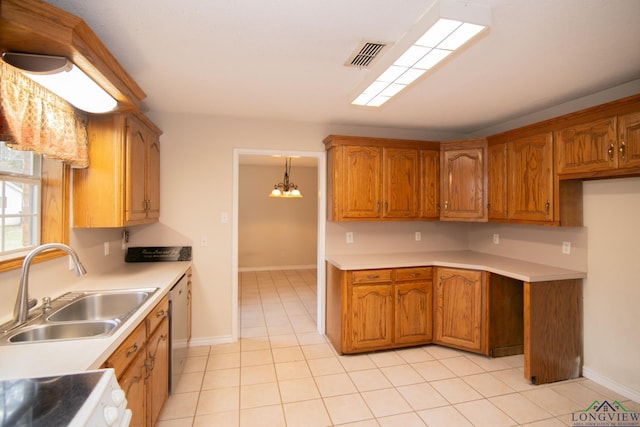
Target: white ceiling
{"points": [[283, 59]]}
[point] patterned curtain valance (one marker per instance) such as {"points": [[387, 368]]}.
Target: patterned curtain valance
{"points": [[35, 119]]}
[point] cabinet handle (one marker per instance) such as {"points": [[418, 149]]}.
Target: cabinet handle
{"points": [[623, 150], [547, 206], [415, 274], [132, 349], [446, 206], [161, 313], [373, 276], [610, 151]]}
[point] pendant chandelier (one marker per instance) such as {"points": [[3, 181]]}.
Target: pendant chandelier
{"points": [[286, 188]]}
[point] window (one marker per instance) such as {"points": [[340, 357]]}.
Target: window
{"points": [[20, 184]]}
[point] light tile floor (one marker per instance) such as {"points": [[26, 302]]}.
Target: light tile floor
{"points": [[283, 373]]}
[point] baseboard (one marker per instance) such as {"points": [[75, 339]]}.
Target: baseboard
{"points": [[611, 384], [197, 342], [278, 267]]}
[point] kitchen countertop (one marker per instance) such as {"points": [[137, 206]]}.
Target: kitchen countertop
{"points": [[509, 267], [71, 356]]}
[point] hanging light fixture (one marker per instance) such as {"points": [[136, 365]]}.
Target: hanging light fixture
{"points": [[64, 78], [286, 188]]}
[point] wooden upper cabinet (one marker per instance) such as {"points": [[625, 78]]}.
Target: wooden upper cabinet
{"points": [[121, 186], [463, 180], [497, 182], [381, 179], [629, 140], [401, 178], [530, 186]]}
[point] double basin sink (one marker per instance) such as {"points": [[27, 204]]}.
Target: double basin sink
{"points": [[78, 315]]}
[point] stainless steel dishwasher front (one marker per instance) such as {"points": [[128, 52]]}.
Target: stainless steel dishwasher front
{"points": [[177, 331]]}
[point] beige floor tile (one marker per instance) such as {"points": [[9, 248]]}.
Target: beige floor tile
{"points": [[439, 352], [348, 408], [223, 361], [433, 370], [227, 419], [386, 402], [335, 384], [256, 357], [282, 341], [298, 389], [257, 374], [218, 349], [487, 385], [551, 400], [414, 354], [254, 344], [364, 423], [602, 390], [258, 331], [221, 378], [422, 396], [325, 366], [386, 358], [271, 416], [199, 350], [219, 400], [461, 366], [514, 378], [445, 416], [481, 413], [195, 364], [520, 408], [255, 395], [551, 422], [292, 370], [576, 391], [287, 354], [283, 329], [371, 379], [188, 382], [402, 375], [310, 338], [410, 419], [490, 363], [455, 390], [181, 405], [317, 351], [310, 413], [356, 362], [179, 422]]}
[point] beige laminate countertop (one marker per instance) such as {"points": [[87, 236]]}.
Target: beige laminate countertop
{"points": [[64, 357], [509, 267]]}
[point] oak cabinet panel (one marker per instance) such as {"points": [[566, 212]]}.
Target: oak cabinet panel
{"points": [[361, 177], [629, 140], [460, 316], [463, 180], [429, 184], [371, 316], [497, 181], [158, 368], [414, 308], [400, 179], [121, 186], [133, 383]]}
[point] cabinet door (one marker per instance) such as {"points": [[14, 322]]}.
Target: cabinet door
{"points": [[497, 181], [153, 178], [629, 141], [136, 171], [370, 312], [132, 382], [587, 147], [459, 318], [158, 366], [414, 311], [361, 187], [400, 182], [463, 183], [429, 184], [530, 169]]}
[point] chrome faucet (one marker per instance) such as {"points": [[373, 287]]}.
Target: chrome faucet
{"points": [[21, 312]]}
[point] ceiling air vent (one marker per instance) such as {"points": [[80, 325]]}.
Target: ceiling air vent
{"points": [[365, 54]]}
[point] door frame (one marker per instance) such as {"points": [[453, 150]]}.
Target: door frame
{"points": [[322, 200]]}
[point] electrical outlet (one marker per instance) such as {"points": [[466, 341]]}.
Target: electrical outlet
{"points": [[418, 236], [106, 248], [349, 237], [566, 248], [496, 239]]}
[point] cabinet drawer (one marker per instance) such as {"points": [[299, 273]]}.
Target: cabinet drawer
{"points": [[419, 273], [157, 315], [371, 276], [124, 355]]}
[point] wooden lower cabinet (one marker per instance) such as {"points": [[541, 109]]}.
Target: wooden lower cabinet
{"points": [[378, 309], [460, 318], [141, 364]]}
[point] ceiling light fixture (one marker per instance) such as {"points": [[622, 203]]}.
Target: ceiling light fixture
{"points": [[64, 78], [445, 27], [286, 188]]}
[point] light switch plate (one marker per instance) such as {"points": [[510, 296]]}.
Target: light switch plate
{"points": [[566, 248]]}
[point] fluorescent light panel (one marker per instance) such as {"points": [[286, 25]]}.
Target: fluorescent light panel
{"points": [[438, 42]]}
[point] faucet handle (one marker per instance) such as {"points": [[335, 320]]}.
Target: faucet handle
{"points": [[46, 304], [33, 302]]}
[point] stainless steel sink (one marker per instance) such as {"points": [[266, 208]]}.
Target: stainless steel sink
{"points": [[77, 315], [64, 331], [101, 306]]}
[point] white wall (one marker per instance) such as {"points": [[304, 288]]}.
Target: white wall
{"points": [[612, 288], [276, 233]]}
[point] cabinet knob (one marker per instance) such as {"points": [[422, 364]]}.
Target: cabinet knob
{"points": [[610, 152], [623, 150], [547, 206], [446, 206]]}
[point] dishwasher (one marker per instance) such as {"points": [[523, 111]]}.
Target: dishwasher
{"points": [[177, 331]]}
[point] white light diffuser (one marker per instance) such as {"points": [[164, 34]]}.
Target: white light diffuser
{"points": [[445, 27]]}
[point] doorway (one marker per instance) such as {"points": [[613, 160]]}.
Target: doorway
{"points": [[320, 158]]}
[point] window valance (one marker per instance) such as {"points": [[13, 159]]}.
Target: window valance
{"points": [[35, 119]]}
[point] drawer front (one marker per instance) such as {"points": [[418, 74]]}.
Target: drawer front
{"points": [[371, 276], [418, 273], [157, 315], [126, 353]]}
